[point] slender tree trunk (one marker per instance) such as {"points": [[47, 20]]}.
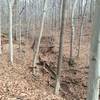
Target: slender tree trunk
{"points": [[94, 70], [52, 20], [40, 36], [10, 35], [57, 87], [20, 33], [10, 5], [55, 14], [60, 14], [81, 29], [73, 19], [80, 7], [26, 27], [73, 32], [0, 29], [15, 15], [91, 5], [36, 17], [16, 30], [20, 26], [69, 12]]}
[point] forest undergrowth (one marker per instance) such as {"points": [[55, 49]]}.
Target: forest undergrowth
{"points": [[17, 81]]}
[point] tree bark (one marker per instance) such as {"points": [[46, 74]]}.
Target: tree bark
{"points": [[40, 36], [81, 29], [57, 87], [94, 70], [72, 32], [0, 29], [10, 35]]}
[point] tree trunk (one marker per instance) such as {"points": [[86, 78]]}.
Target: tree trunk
{"points": [[73, 32], [20, 33], [81, 29], [40, 36], [91, 5], [57, 87], [94, 70], [0, 29], [10, 35]]}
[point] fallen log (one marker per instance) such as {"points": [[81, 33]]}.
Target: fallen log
{"points": [[47, 66]]}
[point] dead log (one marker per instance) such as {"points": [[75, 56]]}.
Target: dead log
{"points": [[47, 67]]}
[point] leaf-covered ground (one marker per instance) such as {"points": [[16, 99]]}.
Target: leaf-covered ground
{"points": [[18, 83]]}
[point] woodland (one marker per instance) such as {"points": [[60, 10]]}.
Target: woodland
{"points": [[49, 49]]}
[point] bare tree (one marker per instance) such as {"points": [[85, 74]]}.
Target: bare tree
{"points": [[10, 5], [40, 36], [81, 28], [57, 87], [15, 16], [73, 32], [94, 70], [91, 10], [0, 29]]}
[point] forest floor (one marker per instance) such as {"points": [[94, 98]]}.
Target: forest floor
{"points": [[17, 81]]}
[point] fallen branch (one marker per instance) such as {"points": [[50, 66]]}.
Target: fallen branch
{"points": [[47, 66]]}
